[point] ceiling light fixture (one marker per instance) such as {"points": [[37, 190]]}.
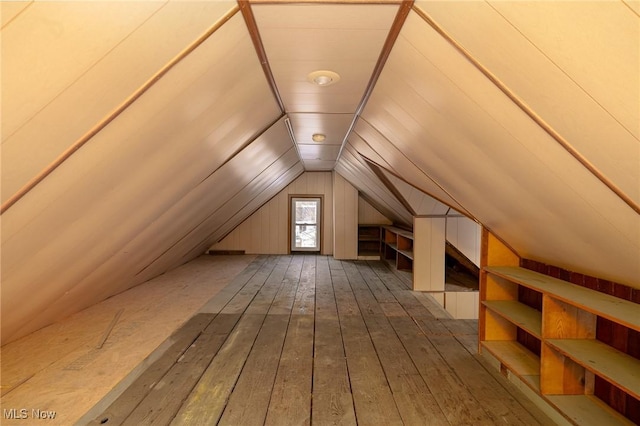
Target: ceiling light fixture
{"points": [[323, 78], [318, 137]]}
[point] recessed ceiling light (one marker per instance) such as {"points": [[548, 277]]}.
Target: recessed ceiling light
{"points": [[318, 137], [323, 77]]}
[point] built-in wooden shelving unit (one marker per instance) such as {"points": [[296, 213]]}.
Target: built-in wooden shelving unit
{"points": [[422, 252], [398, 247], [369, 241], [570, 358]]}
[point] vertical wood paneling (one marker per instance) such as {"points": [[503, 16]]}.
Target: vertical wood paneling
{"points": [[328, 209], [345, 214], [428, 252], [84, 60], [266, 231], [464, 234], [283, 213]]}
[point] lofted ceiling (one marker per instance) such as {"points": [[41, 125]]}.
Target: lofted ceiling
{"points": [[136, 134]]}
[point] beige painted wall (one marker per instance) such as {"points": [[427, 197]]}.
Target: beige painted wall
{"points": [[267, 230], [369, 215], [345, 218], [428, 253]]}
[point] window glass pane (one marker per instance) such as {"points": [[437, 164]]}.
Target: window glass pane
{"points": [[306, 236], [306, 211]]}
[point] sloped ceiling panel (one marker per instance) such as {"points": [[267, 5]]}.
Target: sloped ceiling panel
{"points": [[131, 175], [9, 10], [399, 162], [633, 5], [84, 59], [164, 242], [272, 189], [232, 190], [421, 203], [355, 170], [586, 57], [436, 107]]}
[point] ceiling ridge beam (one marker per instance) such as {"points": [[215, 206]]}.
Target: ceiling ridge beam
{"points": [[394, 32], [116, 112], [252, 26], [356, 2], [529, 111]]}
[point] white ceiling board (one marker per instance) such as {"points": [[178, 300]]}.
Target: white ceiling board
{"points": [[440, 111], [319, 152], [586, 84], [333, 126], [319, 165], [127, 176], [96, 91], [302, 38]]}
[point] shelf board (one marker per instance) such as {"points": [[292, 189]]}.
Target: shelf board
{"points": [[406, 253], [399, 231], [366, 238], [393, 246], [519, 314], [516, 357], [604, 305], [611, 364], [587, 410]]}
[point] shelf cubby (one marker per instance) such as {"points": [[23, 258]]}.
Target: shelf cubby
{"points": [[369, 242], [571, 359], [398, 247]]}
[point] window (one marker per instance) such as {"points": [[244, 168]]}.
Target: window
{"points": [[305, 224]]}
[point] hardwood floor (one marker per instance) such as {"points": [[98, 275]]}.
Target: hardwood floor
{"points": [[297, 340]]}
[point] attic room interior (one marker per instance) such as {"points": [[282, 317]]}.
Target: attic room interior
{"points": [[320, 212]]}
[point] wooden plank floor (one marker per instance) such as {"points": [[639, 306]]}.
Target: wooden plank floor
{"points": [[300, 340]]}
